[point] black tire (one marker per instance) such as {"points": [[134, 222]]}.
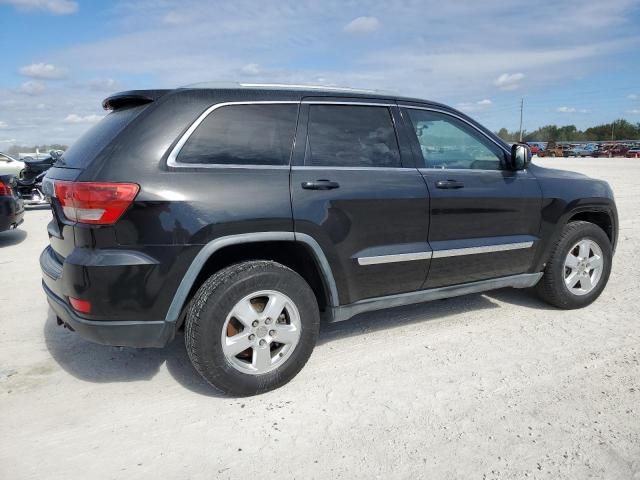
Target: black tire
{"points": [[552, 288], [217, 297]]}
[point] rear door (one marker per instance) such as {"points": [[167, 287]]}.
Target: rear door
{"points": [[485, 218], [356, 191]]}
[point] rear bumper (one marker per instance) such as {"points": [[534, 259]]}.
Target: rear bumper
{"points": [[11, 213], [117, 333], [126, 333]]}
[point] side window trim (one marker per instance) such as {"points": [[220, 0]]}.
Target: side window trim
{"points": [[300, 164], [172, 159], [418, 154]]}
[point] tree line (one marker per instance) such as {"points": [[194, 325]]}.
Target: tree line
{"points": [[617, 130]]}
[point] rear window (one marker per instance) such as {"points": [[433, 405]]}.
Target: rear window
{"points": [[243, 135], [94, 140]]}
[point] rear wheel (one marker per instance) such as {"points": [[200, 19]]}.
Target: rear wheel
{"points": [[251, 327], [579, 267]]}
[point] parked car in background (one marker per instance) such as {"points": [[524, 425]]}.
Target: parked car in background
{"points": [[535, 149], [11, 207], [633, 153], [612, 151], [9, 165], [249, 213], [588, 150], [552, 150]]}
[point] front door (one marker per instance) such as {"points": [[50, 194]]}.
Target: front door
{"points": [[356, 191], [485, 218]]}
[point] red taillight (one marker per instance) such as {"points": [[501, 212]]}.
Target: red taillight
{"points": [[5, 190], [82, 306], [97, 203]]}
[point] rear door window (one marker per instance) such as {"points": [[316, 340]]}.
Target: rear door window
{"points": [[243, 135], [351, 136], [94, 140]]}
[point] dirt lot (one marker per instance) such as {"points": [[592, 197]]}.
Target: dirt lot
{"points": [[483, 386]]}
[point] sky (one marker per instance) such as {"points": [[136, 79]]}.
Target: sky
{"points": [[572, 61]]}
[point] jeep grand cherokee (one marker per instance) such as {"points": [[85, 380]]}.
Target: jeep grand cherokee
{"points": [[244, 215]]}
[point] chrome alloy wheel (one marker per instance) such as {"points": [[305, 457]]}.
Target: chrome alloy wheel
{"points": [[261, 332], [583, 267]]}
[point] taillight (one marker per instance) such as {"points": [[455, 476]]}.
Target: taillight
{"points": [[97, 203], [5, 190], [82, 306]]}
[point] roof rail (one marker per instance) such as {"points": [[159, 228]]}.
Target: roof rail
{"points": [[332, 88]]}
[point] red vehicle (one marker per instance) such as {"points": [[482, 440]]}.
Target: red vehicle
{"points": [[534, 149], [613, 151], [633, 153]]}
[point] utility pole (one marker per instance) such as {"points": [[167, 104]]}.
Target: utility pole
{"points": [[612, 125], [521, 108]]}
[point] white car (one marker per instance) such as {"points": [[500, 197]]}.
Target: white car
{"points": [[9, 165]]}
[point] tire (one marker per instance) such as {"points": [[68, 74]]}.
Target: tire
{"points": [[209, 321], [553, 289]]}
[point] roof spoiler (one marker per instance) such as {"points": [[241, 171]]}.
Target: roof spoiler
{"points": [[131, 98]]}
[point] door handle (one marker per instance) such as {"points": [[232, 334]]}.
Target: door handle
{"points": [[320, 185], [449, 184]]}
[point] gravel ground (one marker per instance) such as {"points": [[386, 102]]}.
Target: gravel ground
{"points": [[483, 386]]}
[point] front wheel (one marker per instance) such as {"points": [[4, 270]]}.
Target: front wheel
{"points": [[579, 267], [252, 327]]}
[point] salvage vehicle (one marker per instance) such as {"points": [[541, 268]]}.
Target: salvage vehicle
{"points": [[29, 184], [552, 149], [11, 207], [9, 165], [633, 153], [612, 151], [245, 215], [588, 150]]}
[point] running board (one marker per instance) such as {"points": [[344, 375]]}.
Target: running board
{"points": [[345, 312]]}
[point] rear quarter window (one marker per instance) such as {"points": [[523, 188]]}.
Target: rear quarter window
{"points": [[98, 137], [243, 135]]}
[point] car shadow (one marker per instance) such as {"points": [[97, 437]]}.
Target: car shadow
{"points": [[12, 237], [103, 364], [403, 316]]}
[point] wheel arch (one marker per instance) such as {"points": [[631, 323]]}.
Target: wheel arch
{"points": [[303, 255], [603, 214]]}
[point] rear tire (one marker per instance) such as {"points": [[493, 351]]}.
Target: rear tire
{"points": [[565, 283], [235, 309]]}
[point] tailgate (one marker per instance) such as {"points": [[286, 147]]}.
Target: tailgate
{"points": [[60, 229]]}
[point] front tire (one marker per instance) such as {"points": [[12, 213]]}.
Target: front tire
{"points": [[251, 327], [579, 267]]}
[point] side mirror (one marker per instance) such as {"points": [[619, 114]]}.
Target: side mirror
{"points": [[520, 156]]}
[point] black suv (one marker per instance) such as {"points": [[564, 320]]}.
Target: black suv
{"points": [[246, 214]]}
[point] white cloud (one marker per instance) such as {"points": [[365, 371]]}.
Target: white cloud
{"points": [[4, 124], [632, 96], [32, 87], [571, 110], [509, 81], [103, 85], [45, 71], [251, 69], [634, 111], [362, 25], [8, 140], [176, 17], [472, 107], [77, 119], [57, 7]]}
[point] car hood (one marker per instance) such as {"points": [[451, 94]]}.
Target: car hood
{"points": [[543, 172]]}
